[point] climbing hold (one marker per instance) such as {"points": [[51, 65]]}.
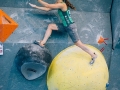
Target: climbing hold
{"points": [[102, 40], [107, 85], [32, 61], [102, 49], [70, 70], [1, 48], [7, 26]]}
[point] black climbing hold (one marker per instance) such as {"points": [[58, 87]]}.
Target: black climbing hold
{"points": [[32, 61]]}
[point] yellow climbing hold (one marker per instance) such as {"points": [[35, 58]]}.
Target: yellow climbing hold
{"points": [[70, 70]]}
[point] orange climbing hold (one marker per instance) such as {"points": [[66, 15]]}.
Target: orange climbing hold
{"points": [[102, 40], [7, 26]]}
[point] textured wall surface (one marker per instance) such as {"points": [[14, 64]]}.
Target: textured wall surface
{"points": [[115, 60], [115, 71], [92, 18], [32, 26], [81, 5], [115, 19]]}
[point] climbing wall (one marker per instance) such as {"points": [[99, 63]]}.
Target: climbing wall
{"points": [[115, 20], [93, 21], [115, 60]]}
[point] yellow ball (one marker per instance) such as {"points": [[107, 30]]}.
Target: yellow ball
{"points": [[70, 70]]}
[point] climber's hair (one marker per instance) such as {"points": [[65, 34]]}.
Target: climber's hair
{"points": [[69, 4]]}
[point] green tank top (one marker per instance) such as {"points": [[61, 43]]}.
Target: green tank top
{"points": [[65, 16]]}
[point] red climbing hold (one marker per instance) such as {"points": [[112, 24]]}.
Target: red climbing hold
{"points": [[102, 40]]}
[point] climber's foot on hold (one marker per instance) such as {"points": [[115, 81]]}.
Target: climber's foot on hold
{"points": [[39, 43], [93, 59]]}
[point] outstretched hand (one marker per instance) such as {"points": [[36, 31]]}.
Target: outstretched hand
{"points": [[32, 5]]}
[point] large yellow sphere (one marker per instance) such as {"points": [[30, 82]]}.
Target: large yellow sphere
{"points": [[70, 70]]}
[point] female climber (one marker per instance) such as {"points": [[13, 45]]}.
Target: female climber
{"points": [[67, 24]]}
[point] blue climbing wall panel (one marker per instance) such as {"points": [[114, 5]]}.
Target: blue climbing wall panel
{"points": [[115, 20], [114, 71], [81, 5], [93, 21], [115, 60]]}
